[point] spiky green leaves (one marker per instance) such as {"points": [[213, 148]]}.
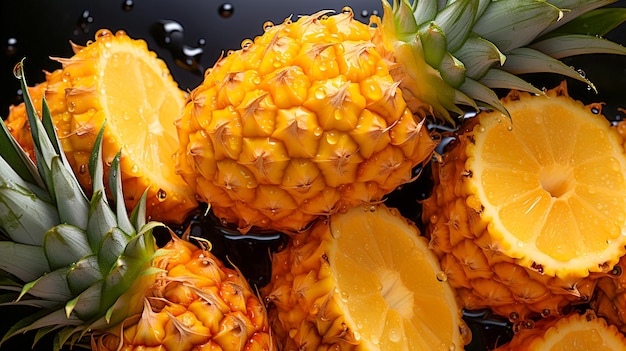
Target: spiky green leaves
{"points": [[73, 257], [479, 45]]}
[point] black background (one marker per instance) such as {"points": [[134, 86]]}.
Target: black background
{"points": [[38, 29]]}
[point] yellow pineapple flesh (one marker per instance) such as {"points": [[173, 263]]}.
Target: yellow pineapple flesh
{"points": [[362, 280], [572, 332], [118, 80], [526, 213]]}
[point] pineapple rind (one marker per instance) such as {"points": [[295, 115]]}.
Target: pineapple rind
{"points": [[486, 272], [52, 290], [315, 93]]}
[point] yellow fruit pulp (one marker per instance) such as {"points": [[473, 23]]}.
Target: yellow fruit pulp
{"points": [[118, 80], [363, 280], [390, 285], [574, 332], [552, 183]]}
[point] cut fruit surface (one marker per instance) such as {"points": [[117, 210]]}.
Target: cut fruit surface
{"points": [[371, 284], [552, 183], [118, 80], [575, 332]]}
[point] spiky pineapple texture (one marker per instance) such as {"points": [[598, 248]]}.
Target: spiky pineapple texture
{"points": [[323, 113], [69, 256]]}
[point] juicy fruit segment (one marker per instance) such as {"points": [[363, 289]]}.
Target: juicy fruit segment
{"points": [[570, 180], [301, 122], [196, 303], [526, 213], [574, 332], [117, 80], [362, 280]]}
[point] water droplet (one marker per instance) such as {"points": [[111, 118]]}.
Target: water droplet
{"points": [[18, 70], [320, 94], [71, 107], [161, 195], [347, 10], [344, 296], [226, 10], [127, 5], [83, 22], [394, 335], [82, 169], [442, 276], [11, 46], [135, 169], [170, 34], [268, 25]]}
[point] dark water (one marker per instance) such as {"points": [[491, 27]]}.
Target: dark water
{"points": [[190, 35]]}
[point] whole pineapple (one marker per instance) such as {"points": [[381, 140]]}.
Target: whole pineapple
{"points": [[323, 112], [95, 274]]}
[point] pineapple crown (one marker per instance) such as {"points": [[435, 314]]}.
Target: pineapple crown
{"points": [[455, 52], [72, 258]]}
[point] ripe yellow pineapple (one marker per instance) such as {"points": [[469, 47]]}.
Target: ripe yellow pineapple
{"points": [[527, 212], [362, 280], [95, 274], [323, 112], [573, 332], [116, 78]]}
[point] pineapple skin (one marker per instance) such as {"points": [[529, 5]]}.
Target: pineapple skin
{"points": [[482, 274], [78, 115], [195, 303], [303, 121]]}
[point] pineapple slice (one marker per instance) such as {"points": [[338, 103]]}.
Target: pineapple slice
{"points": [[116, 78], [527, 212], [363, 280], [574, 332]]}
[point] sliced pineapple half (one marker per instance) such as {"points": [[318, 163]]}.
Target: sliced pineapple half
{"points": [[363, 280], [528, 211], [117, 79]]}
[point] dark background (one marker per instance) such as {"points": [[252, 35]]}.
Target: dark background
{"points": [[38, 29]]}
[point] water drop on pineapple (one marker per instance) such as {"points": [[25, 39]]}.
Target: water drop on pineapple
{"points": [[161, 195], [394, 335], [226, 10], [442, 276], [268, 25]]}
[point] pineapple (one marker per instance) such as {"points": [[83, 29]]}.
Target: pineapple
{"points": [[323, 113], [527, 213], [362, 280], [115, 78], [574, 332], [95, 274], [609, 300]]}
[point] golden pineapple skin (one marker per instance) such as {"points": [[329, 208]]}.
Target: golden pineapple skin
{"points": [[303, 121], [483, 276], [196, 303], [77, 113]]}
